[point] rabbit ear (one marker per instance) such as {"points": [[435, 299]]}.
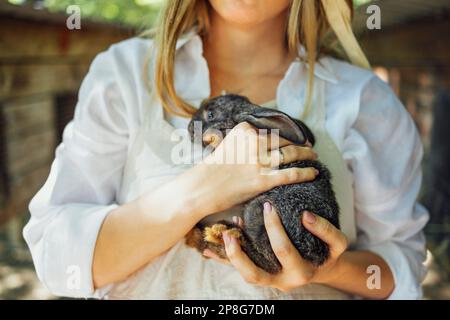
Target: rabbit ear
{"points": [[290, 129]]}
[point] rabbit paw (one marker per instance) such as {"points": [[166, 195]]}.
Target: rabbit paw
{"points": [[213, 234], [235, 233], [194, 239]]}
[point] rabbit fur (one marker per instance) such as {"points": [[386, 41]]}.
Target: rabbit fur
{"points": [[290, 201]]}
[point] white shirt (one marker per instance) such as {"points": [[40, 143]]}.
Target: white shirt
{"points": [[369, 125]]}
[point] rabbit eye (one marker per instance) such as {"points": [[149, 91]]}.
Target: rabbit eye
{"points": [[210, 115]]}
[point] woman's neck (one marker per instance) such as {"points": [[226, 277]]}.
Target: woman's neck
{"points": [[246, 50]]}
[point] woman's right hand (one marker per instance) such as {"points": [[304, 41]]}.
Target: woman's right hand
{"points": [[145, 228], [244, 165]]}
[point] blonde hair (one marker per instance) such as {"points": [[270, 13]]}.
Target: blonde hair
{"points": [[308, 23]]}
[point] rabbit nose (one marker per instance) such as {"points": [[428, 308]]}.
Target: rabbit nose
{"points": [[212, 139]]}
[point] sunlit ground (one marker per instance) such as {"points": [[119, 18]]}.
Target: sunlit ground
{"points": [[437, 282], [18, 279]]}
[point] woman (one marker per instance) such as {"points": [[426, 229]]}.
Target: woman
{"points": [[111, 218]]}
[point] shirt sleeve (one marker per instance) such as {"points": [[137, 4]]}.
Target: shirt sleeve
{"points": [[385, 152], [68, 211]]}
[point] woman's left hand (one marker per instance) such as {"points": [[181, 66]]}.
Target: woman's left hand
{"points": [[295, 271]]}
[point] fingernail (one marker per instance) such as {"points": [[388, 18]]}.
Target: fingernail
{"points": [[316, 172], [235, 219], [309, 217], [267, 207], [240, 222]]}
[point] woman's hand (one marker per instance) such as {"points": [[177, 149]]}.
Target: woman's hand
{"points": [[344, 270], [244, 165], [148, 226], [296, 271]]}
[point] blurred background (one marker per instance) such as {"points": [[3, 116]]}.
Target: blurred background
{"points": [[42, 64]]}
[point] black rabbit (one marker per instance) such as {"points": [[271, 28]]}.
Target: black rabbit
{"points": [[223, 113]]}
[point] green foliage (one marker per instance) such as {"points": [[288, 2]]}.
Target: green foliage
{"points": [[360, 2], [136, 13]]}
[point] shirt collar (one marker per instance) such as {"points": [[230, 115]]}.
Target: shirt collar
{"points": [[185, 38], [195, 88], [322, 69]]}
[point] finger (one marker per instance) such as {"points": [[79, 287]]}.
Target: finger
{"points": [[328, 233], [208, 253], [243, 131], [248, 270], [291, 175], [281, 245], [244, 127], [238, 220], [212, 138], [271, 140], [275, 142], [290, 154]]}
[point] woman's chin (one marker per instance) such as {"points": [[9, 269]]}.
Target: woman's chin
{"points": [[248, 12]]}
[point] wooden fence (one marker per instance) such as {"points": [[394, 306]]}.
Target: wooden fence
{"points": [[42, 64]]}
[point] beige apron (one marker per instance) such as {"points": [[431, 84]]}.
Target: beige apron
{"points": [[181, 272]]}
